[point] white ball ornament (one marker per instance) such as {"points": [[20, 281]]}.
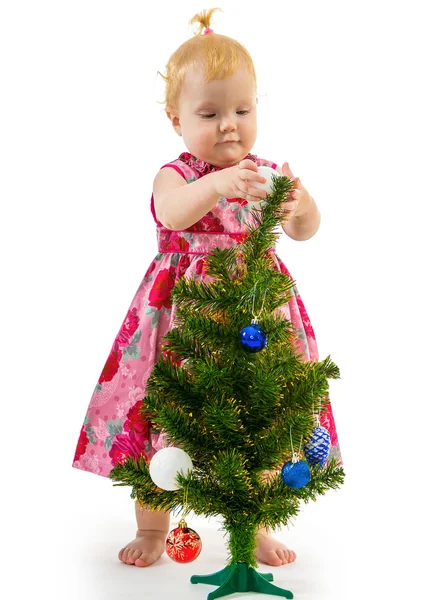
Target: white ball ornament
{"points": [[267, 173], [165, 465]]}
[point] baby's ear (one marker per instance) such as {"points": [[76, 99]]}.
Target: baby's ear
{"points": [[175, 121]]}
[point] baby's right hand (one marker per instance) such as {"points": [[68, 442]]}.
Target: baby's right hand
{"points": [[238, 182]]}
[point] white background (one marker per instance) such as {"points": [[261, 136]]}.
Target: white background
{"points": [[81, 138]]}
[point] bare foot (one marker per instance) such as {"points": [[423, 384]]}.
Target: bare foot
{"points": [[271, 551], [145, 549]]}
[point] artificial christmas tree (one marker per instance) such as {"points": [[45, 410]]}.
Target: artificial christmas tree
{"points": [[234, 393]]}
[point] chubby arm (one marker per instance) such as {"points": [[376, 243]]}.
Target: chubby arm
{"points": [[304, 222], [178, 205]]}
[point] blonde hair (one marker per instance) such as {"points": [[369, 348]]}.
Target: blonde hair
{"points": [[219, 55]]}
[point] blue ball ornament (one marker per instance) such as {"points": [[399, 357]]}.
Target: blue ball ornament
{"points": [[296, 474], [253, 338], [317, 448]]}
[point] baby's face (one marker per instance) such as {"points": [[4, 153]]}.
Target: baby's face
{"points": [[211, 114]]}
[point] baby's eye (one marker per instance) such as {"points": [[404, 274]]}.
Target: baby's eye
{"points": [[243, 112]]}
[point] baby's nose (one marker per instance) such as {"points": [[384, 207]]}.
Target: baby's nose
{"points": [[227, 125]]}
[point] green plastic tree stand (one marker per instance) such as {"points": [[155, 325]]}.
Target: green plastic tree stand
{"points": [[240, 578]]}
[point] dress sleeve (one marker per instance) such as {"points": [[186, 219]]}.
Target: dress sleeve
{"points": [[176, 167], [183, 170]]}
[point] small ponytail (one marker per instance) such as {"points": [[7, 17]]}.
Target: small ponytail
{"points": [[204, 20]]}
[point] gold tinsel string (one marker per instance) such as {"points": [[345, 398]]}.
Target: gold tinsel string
{"points": [[295, 455], [262, 306], [316, 416], [182, 521], [186, 509]]}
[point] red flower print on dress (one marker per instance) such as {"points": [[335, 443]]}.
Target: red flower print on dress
{"points": [[131, 322], [239, 237], [126, 445], [133, 442], [176, 243], [111, 365], [241, 201], [305, 318], [83, 440], [137, 422], [160, 294], [184, 262], [199, 266], [203, 167], [208, 223]]}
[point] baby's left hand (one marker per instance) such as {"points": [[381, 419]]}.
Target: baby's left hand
{"points": [[298, 197]]}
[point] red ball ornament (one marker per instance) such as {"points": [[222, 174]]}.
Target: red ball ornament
{"points": [[183, 544]]}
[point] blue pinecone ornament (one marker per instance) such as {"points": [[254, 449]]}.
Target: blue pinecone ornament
{"points": [[317, 448], [253, 338], [296, 474]]}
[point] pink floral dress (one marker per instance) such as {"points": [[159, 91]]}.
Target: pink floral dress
{"points": [[113, 428]]}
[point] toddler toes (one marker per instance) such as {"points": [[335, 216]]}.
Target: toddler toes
{"points": [[136, 555], [124, 553], [141, 562], [146, 558], [274, 559]]}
